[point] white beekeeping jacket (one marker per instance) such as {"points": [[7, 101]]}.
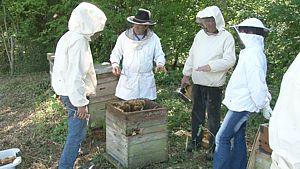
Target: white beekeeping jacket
{"points": [[216, 50], [247, 89], [137, 78], [73, 71], [284, 125]]}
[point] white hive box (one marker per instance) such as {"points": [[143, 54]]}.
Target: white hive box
{"points": [[9, 153]]}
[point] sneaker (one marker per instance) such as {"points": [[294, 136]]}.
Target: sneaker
{"points": [[192, 146]]}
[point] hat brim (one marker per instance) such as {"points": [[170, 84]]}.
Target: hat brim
{"points": [[130, 19], [264, 28]]}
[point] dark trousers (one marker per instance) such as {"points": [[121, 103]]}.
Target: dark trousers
{"points": [[206, 99]]}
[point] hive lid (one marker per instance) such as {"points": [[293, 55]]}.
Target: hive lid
{"points": [[102, 68]]}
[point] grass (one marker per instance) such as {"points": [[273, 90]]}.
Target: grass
{"points": [[32, 119]]}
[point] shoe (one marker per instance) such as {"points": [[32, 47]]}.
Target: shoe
{"points": [[192, 146]]}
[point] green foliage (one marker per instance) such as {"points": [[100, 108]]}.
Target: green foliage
{"points": [[38, 30], [50, 118]]}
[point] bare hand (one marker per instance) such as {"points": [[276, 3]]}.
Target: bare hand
{"points": [[160, 68], [82, 112], [205, 68], [185, 81], [116, 71]]}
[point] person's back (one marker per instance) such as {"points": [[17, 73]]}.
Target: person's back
{"points": [[284, 126]]}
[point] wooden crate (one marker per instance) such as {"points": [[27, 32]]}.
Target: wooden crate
{"points": [[105, 91], [138, 138]]}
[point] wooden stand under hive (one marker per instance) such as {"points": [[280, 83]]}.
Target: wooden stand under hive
{"points": [[136, 133]]}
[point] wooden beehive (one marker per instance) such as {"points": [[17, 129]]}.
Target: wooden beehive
{"points": [[105, 92], [137, 138]]}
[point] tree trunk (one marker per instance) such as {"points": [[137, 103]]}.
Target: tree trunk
{"points": [[8, 42]]}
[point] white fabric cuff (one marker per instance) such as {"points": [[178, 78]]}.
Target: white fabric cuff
{"points": [[115, 64]]}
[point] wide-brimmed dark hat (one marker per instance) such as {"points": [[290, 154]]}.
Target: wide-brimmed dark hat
{"points": [[143, 17]]}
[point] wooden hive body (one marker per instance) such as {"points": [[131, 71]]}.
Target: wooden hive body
{"points": [[138, 138]]}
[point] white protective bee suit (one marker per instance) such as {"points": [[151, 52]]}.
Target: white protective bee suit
{"points": [[245, 93], [73, 71], [137, 77], [216, 50], [284, 125], [247, 89]]}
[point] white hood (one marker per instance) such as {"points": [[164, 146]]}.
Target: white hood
{"points": [[87, 19], [251, 40], [212, 11]]}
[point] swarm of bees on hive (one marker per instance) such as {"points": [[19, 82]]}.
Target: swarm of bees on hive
{"points": [[7, 160], [131, 105]]}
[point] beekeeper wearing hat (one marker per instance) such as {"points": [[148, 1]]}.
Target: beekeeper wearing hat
{"points": [[211, 56], [284, 126], [246, 92], [74, 77], [137, 47]]}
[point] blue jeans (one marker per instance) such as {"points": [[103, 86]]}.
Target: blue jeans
{"points": [[231, 151], [76, 132]]}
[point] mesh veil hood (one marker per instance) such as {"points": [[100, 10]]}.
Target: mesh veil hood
{"points": [[212, 11], [87, 19]]}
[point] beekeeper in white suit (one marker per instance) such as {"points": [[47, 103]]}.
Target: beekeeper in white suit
{"points": [[74, 77], [284, 125], [137, 47], [211, 56], [246, 92]]}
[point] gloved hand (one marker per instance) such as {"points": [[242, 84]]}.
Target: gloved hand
{"points": [[267, 112]]}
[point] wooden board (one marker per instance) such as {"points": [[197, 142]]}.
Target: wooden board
{"points": [[258, 158]]}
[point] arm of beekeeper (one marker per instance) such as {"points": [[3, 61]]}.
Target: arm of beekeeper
{"points": [[80, 60], [159, 55], [117, 53], [188, 66], [256, 83], [228, 59]]}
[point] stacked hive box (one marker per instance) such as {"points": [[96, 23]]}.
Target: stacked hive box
{"points": [[105, 92], [138, 138], [106, 85]]}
